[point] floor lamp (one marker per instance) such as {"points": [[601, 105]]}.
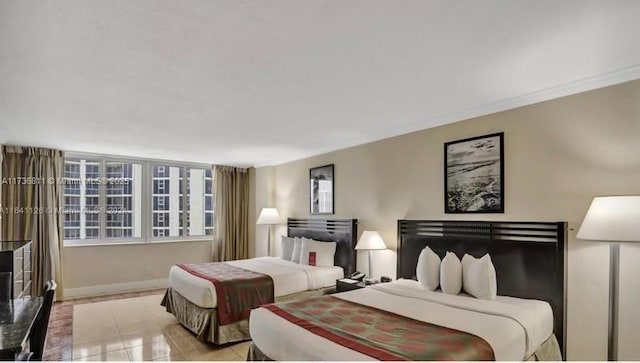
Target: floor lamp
{"points": [[269, 217], [613, 219], [370, 241]]}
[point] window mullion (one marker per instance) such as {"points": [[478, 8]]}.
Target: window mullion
{"points": [[103, 200], [147, 189], [185, 221]]}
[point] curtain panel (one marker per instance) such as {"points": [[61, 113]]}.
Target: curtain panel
{"points": [[31, 204], [231, 186]]}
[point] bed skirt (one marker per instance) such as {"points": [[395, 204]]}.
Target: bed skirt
{"points": [[203, 322], [548, 351]]}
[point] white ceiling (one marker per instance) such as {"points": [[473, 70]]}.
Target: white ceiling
{"points": [[268, 81]]}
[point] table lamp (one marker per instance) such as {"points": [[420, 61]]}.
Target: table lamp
{"points": [[613, 219], [269, 217], [370, 241]]}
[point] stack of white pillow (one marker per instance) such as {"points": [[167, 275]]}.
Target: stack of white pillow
{"points": [[298, 250], [476, 276]]}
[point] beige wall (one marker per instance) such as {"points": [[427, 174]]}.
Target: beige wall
{"points": [[91, 266], [558, 155]]}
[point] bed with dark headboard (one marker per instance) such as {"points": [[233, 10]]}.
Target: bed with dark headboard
{"points": [[529, 257], [203, 320], [342, 231]]}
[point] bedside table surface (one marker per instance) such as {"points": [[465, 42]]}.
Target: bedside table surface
{"points": [[342, 285]]}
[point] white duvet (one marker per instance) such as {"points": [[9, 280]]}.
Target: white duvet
{"points": [[513, 327], [288, 278]]}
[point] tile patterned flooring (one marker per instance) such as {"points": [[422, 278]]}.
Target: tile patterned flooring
{"points": [[127, 328], [59, 333]]}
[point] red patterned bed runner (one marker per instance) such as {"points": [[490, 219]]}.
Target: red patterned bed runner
{"points": [[237, 290], [380, 334]]}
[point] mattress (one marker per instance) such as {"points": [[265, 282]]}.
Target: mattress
{"points": [[288, 278], [513, 327]]}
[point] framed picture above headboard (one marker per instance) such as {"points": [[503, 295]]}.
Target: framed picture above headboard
{"points": [[321, 196], [474, 175]]}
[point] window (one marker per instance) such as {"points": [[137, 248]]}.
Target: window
{"points": [[108, 199], [80, 199], [166, 210], [208, 203], [176, 214], [102, 199]]}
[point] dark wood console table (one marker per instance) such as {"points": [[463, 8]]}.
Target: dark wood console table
{"points": [[16, 319]]}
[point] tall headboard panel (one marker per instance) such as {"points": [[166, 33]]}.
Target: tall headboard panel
{"points": [[342, 231], [529, 257]]}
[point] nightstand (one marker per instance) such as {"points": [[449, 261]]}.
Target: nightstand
{"points": [[342, 286]]}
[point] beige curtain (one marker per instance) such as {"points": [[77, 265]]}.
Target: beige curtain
{"points": [[231, 188], [31, 201]]}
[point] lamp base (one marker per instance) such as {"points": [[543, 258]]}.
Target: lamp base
{"points": [[269, 241], [614, 282]]}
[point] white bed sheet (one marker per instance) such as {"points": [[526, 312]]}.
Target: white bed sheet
{"points": [[513, 327], [288, 278]]}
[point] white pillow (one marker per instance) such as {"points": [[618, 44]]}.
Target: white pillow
{"points": [[428, 269], [451, 274], [297, 250], [323, 252], [479, 277], [287, 247]]}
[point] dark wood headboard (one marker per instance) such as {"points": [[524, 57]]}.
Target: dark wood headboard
{"points": [[342, 231], [529, 257]]}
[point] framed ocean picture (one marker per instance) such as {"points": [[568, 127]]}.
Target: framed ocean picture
{"points": [[474, 175]]}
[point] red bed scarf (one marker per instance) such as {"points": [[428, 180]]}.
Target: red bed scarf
{"points": [[380, 334], [237, 290]]}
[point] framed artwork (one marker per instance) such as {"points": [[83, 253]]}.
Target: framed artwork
{"points": [[474, 175], [321, 189]]}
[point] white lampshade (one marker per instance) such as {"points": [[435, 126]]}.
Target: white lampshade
{"points": [[268, 216], [370, 240], [613, 219]]}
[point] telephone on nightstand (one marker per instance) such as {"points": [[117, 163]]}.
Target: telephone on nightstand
{"points": [[357, 276]]}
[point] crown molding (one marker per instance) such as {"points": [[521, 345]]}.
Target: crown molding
{"points": [[547, 94]]}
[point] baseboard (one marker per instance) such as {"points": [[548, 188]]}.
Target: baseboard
{"points": [[110, 289]]}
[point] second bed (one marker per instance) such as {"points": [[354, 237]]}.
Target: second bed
{"points": [[402, 320], [193, 300]]}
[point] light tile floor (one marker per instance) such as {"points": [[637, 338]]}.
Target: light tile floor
{"points": [[139, 329]]}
